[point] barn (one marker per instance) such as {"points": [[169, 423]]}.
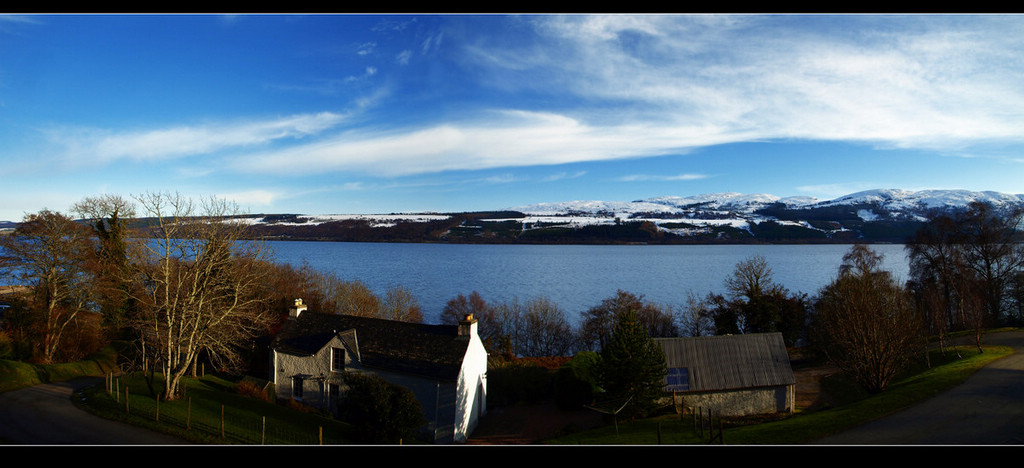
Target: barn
{"points": [[733, 375]]}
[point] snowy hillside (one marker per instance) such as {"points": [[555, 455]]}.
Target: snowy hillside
{"points": [[888, 215], [891, 200]]}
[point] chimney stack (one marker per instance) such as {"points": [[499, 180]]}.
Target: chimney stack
{"points": [[467, 326], [295, 310]]}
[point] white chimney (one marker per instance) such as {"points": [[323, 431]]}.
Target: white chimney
{"points": [[295, 310]]}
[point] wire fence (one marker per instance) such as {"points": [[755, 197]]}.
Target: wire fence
{"points": [[202, 417], [705, 426]]}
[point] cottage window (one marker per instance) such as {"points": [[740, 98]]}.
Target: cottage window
{"points": [[337, 359], [297, 388], [678, 379]]}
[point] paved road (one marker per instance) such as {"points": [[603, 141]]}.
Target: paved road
{"points": [[987, 409], [45, 415]]}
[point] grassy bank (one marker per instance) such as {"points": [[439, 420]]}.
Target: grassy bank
{"points": [[16, 374], [946, 372], [212, 411]]}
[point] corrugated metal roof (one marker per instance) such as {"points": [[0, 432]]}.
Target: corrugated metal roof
{"points": [[730, 362]]}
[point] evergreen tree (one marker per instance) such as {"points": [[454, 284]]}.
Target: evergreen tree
{"points": [[632, 366]]}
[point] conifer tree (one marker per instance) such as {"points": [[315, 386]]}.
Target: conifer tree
{"points": [[632, 366]]}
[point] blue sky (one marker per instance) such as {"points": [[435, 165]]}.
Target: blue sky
{"points": [[324, 114]]}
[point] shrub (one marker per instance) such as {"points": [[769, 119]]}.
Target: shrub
{"points": [[576, 381], [295, 405], [6, 345], [382, 412], [572, 392], [252, 390], [518, 381]]}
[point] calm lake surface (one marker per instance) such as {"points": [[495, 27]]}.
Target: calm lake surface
{"points": [[576, 277]]}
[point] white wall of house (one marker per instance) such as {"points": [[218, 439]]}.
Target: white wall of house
{"points": [[472, 389]]}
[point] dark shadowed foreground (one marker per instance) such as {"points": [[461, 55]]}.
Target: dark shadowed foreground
{"points": [[45, 415]]}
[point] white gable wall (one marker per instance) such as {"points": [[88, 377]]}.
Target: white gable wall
{"points": [[471, 402]]}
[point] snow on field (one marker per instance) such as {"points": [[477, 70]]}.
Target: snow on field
{"points": [[706, 210], [375, 220]]}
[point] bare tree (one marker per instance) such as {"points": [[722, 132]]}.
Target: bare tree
{"points": [[49, 252], [488, 326], [400, 304], [866, 322], [347, 297], [109, 216], [536, 328], [750, 279], [980, 247], [459, 306], [548, 332], [993, 249], [697, 317], [598, 321], [198, 279]]}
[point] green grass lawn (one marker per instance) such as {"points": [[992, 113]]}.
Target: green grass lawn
{"points": [[946, 372], [210, 403]]}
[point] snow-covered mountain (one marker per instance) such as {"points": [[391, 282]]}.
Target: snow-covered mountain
{"points": [[912, 203], [884, 215]]}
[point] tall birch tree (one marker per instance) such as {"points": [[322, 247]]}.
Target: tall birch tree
{"points": [[199, 279]]}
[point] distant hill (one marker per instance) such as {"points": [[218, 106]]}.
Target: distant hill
{"points": [[885, 215]]}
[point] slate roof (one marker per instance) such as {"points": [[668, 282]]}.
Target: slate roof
{"points": [[412, 348], [730, 362]]}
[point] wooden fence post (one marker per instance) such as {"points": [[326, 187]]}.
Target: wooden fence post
{"points": [[157, 407], [126, 400], [263, 432], [221, 421], [320, 436], [701, 423]]}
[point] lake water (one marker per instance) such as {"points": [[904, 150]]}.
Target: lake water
{"points": [[576, 277]]}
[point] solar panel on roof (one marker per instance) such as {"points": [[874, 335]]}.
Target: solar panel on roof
{"points": [[677, 379]]}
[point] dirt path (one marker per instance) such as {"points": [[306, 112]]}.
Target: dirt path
{"points": [[987, 409]]}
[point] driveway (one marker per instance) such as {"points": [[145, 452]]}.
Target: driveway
{"points": [[987, 409], [45, 415]]}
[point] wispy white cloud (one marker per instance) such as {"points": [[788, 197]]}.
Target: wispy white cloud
{"points": [[671, 83], [508, 139], [564, 176], [403, 57], [830, 191], [249, 198], [662, 178], [932, 82], [88, 147]]}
